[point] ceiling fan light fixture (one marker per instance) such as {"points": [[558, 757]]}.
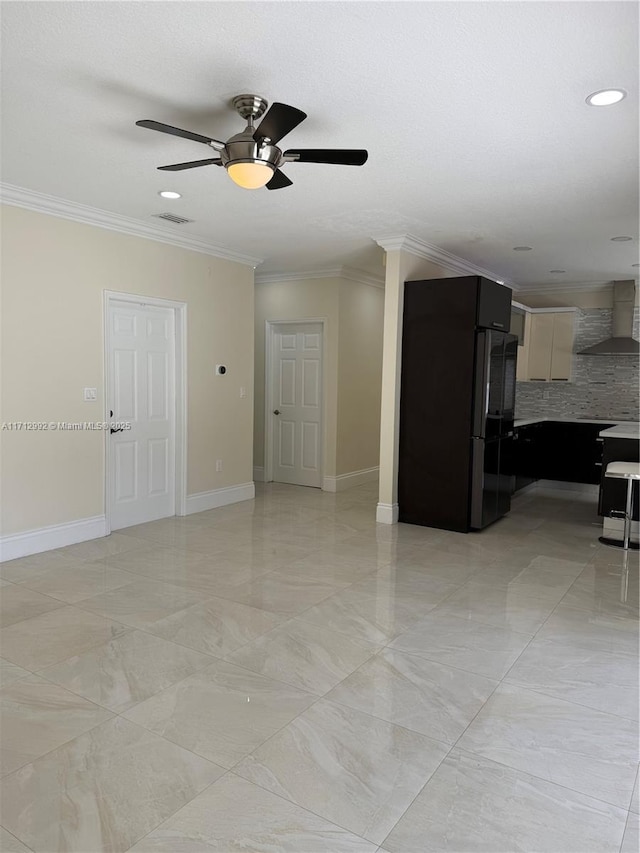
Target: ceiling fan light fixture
{"points": [[252, 158], [250, 176]]}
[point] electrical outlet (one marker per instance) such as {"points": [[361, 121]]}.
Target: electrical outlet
{"points": [[90, 395], [243, 392], [218, 464]]}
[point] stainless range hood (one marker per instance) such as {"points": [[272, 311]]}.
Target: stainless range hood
{"points": [[621, 343]]}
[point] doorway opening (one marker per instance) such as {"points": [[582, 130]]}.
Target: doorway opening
{"points": [[145, 399], [294, 421]]}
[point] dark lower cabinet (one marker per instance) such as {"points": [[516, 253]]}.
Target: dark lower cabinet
{"points": [[558, 450], [526, 442], [571, 452]]}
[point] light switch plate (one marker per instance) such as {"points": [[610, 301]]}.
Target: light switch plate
{"points": [[90, 395]]}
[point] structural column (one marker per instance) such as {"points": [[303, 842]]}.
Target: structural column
{"points": [[387, 509], [401, 264]]}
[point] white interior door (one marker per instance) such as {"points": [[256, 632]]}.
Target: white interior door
{"points": [[296, 397], [141, 353]]}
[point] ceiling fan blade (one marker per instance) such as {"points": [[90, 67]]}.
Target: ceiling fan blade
{"points": [[177, 131], [279, 120], [178, 167], [338, 156], [279, 181]]}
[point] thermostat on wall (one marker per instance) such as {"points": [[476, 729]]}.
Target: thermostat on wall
{"points": [[220, 370]]}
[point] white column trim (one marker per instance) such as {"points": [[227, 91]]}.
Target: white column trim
{"points": [[387, 513], [391, 372]]}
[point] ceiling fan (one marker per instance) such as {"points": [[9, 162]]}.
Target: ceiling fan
{"points": [[252, 158]]}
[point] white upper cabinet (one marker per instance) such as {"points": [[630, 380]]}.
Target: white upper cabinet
{"points": [[547, 353], [540, 346]]}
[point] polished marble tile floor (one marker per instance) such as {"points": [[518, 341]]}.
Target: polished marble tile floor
{"points": [[285, 676]]}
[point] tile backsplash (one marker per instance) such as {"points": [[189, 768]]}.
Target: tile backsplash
{"points": [[602, 387]]}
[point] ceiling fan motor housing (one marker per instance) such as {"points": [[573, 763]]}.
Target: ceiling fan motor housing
{"points": [[242, 148]]}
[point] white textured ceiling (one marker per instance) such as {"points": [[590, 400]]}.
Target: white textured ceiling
{"points": [[473, 114]]}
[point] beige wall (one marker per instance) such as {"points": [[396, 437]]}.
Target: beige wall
{"points": [[353, 353], [54, 272], [361, 315]]}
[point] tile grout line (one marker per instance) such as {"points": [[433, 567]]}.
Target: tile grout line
{"points": [[19, 840]]}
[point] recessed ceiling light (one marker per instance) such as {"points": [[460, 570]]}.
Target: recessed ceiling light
{"points": [[522, 248], [557, 271], [169, 194], [621, 239], [605, 97], [500, 281]]}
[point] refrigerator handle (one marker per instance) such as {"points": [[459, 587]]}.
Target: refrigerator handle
{"points": [[481, 398]]}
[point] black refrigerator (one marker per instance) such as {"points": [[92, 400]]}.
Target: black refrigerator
{"points": [[456, 403]]}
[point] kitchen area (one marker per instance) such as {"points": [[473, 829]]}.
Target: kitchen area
{"points": [[577, 397], [537, 394]]}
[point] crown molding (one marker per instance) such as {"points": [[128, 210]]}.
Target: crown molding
{"points": [[299, 275], [349, 273], [363, 277], [42, 203], [429, 252], [550, 287]]}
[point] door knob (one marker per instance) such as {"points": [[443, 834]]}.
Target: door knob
{"points": [[276, 411], [111, 429]]}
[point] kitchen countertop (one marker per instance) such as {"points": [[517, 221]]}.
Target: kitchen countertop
{"points": [[526, 421], [630, 429]]}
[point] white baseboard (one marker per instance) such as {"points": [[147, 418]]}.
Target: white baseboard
{"points": [[258, 475], [59, 535], [48, 538], [203, 501], [387, 513], [348, 481]]}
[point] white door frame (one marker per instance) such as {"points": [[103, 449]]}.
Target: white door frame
{"points": [[180, 366], [268, 392]]}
